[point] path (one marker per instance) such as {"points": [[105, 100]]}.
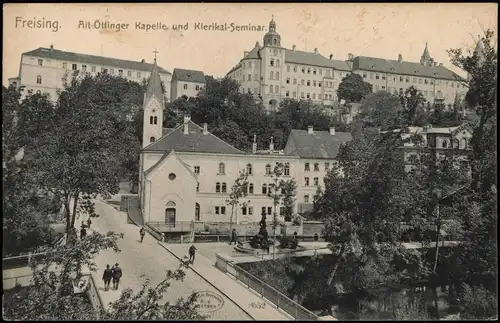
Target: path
{"points": [[241, 295], [149, 260]]}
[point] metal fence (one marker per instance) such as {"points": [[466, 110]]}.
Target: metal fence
{"points": [[297, 311], [178, 226], [21, 260]]}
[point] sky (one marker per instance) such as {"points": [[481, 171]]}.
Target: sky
{"points": [[368, 29]]}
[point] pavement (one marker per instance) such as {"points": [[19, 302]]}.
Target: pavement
{"points": [[246, 298], [148, 260]]}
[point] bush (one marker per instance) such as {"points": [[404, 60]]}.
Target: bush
{"points": [[477, 303], [289, 243]]}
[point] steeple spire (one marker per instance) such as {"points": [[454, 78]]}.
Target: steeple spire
{"points": [[154, 84], [426, 58]]}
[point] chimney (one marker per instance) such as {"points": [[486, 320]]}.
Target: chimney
{"points": [[271, 146], [245, 53], [400, 58], [51, 48], [254, 144], [331, 56], [186, 121], [205, 128], [293, 48], [332, 131], [310, 130], [350, 57], [257, 44], [143, 61], [315, 51]]}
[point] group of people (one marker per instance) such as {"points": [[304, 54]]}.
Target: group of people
{"points": [[114, 273], [83, 229]]}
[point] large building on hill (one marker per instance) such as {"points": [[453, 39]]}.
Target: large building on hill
{"points": [[186, 83], [186, 173], [42, 70], [273, 73]]}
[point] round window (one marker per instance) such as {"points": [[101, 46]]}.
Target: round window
{"points": [[171, 176]]}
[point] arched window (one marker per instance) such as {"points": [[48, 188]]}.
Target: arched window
{"points": [[272, 62], [185, 86], [217, 187], [277, 76], [152, 139], [151, 120], [155, 120], [39, 79], [277, 63], [197, 188], [444, 144], [250, 188], [316, 167], [271, 75], [222, 168], [268, 169], [249, 169], [274, 41], [197, 212], [456, 144], [276, 89], [264, 188], [224, 188], [270, 89], [287, 169]]}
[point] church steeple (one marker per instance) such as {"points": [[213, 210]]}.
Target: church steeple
{"points": [[154, 84], [426, 58], [272, 38], [154, 103]]}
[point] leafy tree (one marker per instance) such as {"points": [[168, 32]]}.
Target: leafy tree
{"points": [[478, 304], [239, 191], [289, 189], [353, 88], [380, 109]]}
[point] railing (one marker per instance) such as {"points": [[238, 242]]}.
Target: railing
{"points": [[297, 311], [21, 260], [178, 226], [93, 294], [152, 231]]}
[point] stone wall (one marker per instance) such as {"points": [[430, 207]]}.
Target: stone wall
{"points": [[241, 228], [313, 227]]}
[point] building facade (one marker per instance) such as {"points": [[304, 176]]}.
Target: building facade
{"points": [[186, 83], [186, 173], [273, 72], [43, 70]]}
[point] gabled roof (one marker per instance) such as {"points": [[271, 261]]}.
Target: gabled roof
{"points": [[195, 141], [306, 58], [154, 85], [406, 68], [319, 144], [92, 59], [165, 156], [188, 75]]}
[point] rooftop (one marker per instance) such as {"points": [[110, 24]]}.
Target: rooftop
{"points": [[188, 75], [319, 144], [92, 59]]}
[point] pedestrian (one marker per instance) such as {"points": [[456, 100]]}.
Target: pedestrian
{"points": [[142, 232], [83, 224], [233, 237], [116, 274], [192, 251], [83, 233], [89, 222], [106, 277]]}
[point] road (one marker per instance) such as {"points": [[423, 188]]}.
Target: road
{"points": [[140, 261]]}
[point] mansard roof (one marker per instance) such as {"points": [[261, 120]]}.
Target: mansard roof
{"points": [[194, 141]]}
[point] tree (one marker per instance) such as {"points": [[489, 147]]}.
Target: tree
{"points": [[353, 88], [239, 190], [89, 111], [380, 109], [289, 189]]}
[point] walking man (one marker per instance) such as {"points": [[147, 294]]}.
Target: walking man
{"points": [[233, 237], [142, 232], [89, 222], [116, 274], [106, 277], [83, 233], [192, 251]]}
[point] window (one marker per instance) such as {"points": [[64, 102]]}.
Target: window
{"points": [[277, 76], [328, 73], [306, 167], [314, 83], [306, 181], [197, 87], [250, 188], [302, 95], [308, 83], [316, 167], [138, 74], [196, 169], [383, 87], [319, 84], [39, 79], [287, 80], [264, 188], [301, 82], [74, 67], [320, 72], [271, 62], [40, 62], [308, 71], [222, 169], [400, 79], [224, 188], [364, 75], [294, 81], [268, 169], [327, 166], [276, 89], [419, 81], [64, 65], [112, 71], [306, 198], [294, 94], [295, 68], [308, 95], [197, 187], [249, 169], [316, 181], [217, 187], [249, 77], [269, 210], [286, 170], [371, 76], [426, 81], [445, 144], [263, 210], [217, 210], [287, 93], [244, 210], [383, 77], [30, 91], [155, 120], [152, 139], [250, 210], [377, 76], [185, 86], [314, 72], [407, 79], [303, 70]]}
